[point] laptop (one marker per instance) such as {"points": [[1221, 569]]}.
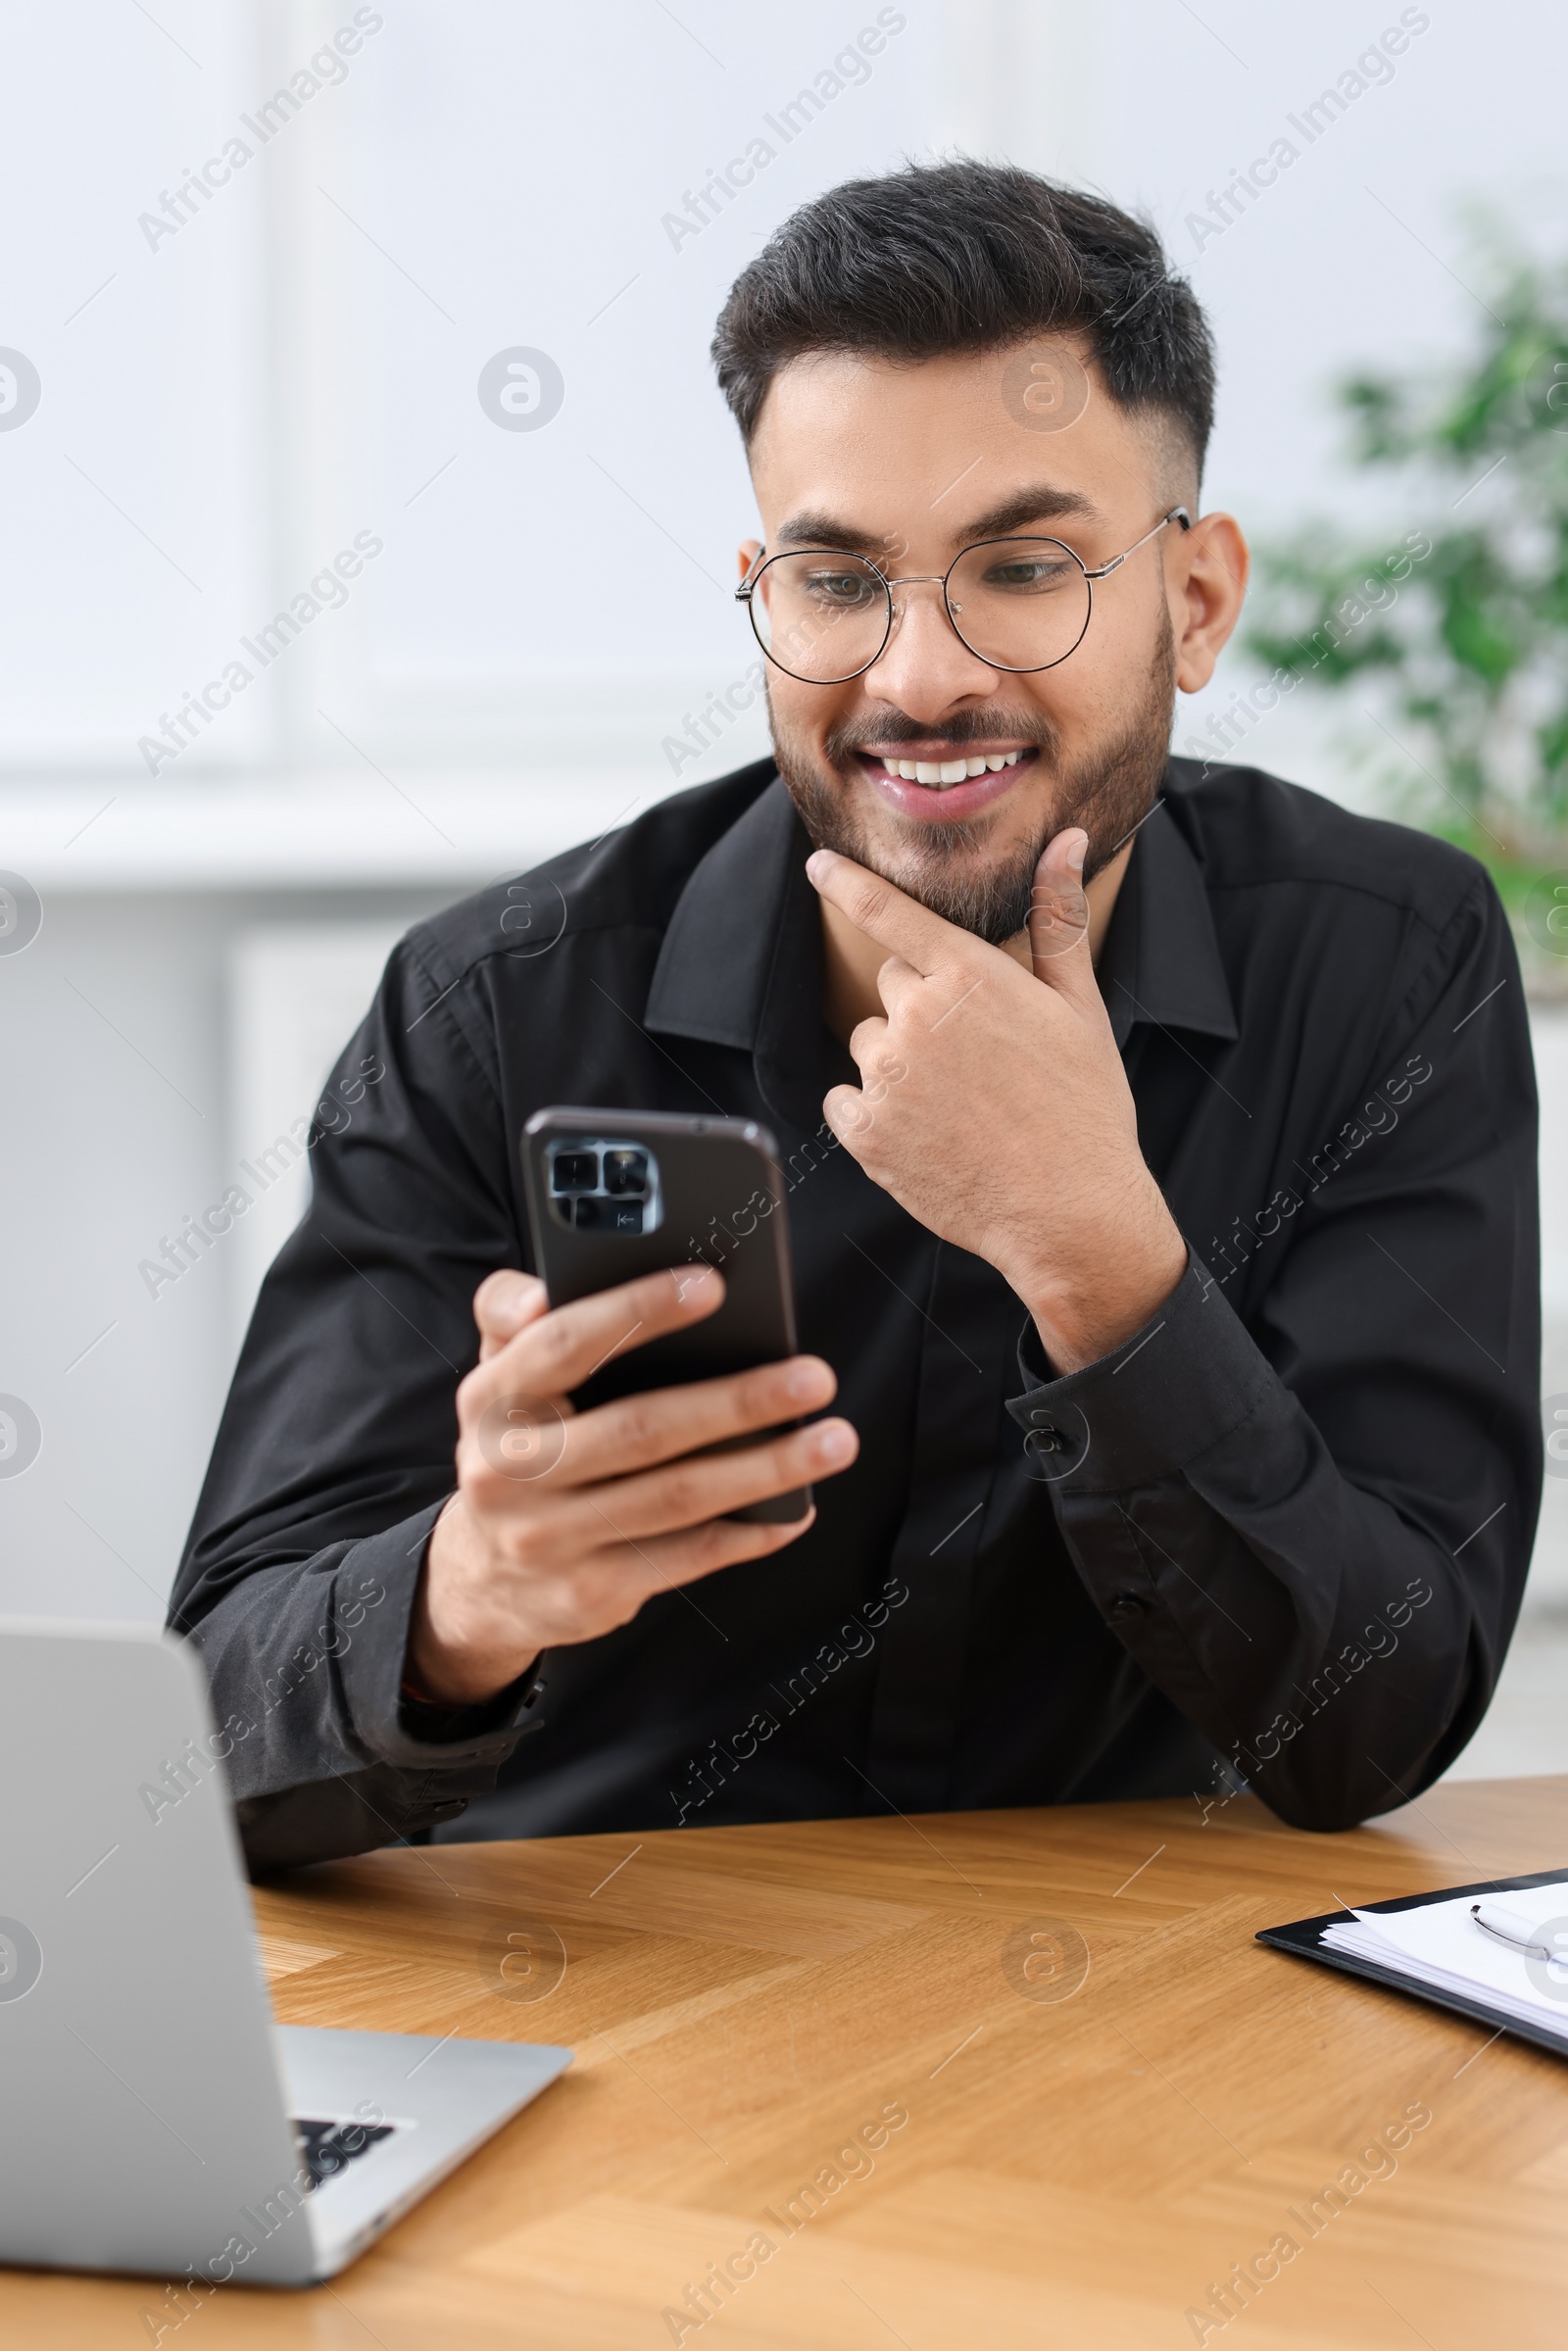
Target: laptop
{"points": [[156, 2118]]}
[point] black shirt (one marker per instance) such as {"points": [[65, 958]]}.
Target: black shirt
{"points": [[1279, 1535]]}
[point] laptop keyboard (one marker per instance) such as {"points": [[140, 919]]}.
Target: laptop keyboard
{"points": [[326, 2148]]}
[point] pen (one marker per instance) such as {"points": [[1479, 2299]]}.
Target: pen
{"points": [[1512, 1928]]}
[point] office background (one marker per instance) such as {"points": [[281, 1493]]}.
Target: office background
{"points": [[442, 313]]}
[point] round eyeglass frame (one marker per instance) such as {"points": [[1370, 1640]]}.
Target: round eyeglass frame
{"points": [[761, 560]]}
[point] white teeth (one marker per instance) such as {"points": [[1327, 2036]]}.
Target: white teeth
{"points": [[942, 772]]}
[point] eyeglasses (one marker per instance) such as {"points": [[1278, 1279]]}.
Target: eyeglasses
{"points": [[1022, 604]]}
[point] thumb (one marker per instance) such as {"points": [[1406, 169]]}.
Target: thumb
{"points": [[1059, 918], [505, 1304]]}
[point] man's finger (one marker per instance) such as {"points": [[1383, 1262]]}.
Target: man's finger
{"points": [[504, 1304], [664, 1561], [638, 1432], [868, 1038], [556, 1353], [1058, 915], [692, 1491], [850, 1115], [895, 981], [899, 923]]}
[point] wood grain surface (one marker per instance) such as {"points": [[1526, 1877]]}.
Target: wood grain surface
{"points": [[1112, 2099]]}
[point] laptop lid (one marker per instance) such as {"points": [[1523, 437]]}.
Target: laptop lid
{"points": [[143, 2110]]}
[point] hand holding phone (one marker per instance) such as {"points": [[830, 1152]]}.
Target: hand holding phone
{"points": [[565, 1521]]}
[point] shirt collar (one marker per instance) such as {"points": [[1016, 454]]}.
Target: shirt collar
{"points": [[1161, 960], [711, 980], [740, 963]]}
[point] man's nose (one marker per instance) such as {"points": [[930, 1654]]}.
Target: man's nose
{"points": [[925, 667]]}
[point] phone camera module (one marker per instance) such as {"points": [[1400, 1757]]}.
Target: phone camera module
{"points": [[599, 1184], [626, 1177]]}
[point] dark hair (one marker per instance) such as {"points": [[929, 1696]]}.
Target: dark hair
{"points": [[968, 257]]}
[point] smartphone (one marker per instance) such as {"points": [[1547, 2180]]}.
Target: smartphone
{"points": [[614, 1194]]}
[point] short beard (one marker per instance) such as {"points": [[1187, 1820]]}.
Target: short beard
{"points": [[1109, 793]]}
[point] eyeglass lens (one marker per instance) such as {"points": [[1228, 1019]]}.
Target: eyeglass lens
{"points": [[1019, 604]]}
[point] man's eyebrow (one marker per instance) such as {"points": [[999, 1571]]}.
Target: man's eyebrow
{"points": [[1039, 503], [814, 529]]}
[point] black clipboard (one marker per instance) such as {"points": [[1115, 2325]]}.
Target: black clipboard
{"points": [[1301, 1940]]}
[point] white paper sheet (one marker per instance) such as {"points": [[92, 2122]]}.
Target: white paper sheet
{"points": [[1440, 1945]]}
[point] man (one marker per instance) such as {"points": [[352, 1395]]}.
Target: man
{"points": [[1160, 1151]]}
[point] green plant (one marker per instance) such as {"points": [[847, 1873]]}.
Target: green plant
{"points": [[1464, 625]]}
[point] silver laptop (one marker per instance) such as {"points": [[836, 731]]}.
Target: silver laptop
{"points": [[155, 2119]]}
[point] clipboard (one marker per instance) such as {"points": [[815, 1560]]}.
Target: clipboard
{"points": [[1301, 1938]]}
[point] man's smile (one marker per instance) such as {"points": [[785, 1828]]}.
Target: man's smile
{"points": [[941, 781]]}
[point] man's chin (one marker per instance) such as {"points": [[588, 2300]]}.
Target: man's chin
{"points": [[964, 869]]}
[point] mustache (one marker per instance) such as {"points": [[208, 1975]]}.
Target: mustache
{"points": [[893, 726]]}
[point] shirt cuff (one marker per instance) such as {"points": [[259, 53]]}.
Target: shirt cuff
{"points": [[374, 1595], [1143, 1412]]}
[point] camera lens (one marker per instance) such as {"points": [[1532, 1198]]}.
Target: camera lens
{"points": [[574, 1171], [626, 1174]]}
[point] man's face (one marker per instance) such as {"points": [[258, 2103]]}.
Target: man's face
{"points": [[907, 465]]}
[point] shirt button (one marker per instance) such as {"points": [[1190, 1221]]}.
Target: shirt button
{"points": [[1128, 1604]]}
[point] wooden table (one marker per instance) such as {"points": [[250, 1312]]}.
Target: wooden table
{"points": [[1082, 2156]]}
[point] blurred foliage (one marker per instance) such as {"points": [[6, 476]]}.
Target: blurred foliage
{"points": [[1457, 622]]}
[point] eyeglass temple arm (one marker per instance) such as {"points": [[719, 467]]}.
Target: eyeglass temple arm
{"points": [[1178, 514], [743, 594]]}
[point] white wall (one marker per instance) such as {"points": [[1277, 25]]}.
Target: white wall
{"points": [[116, 1065]]}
